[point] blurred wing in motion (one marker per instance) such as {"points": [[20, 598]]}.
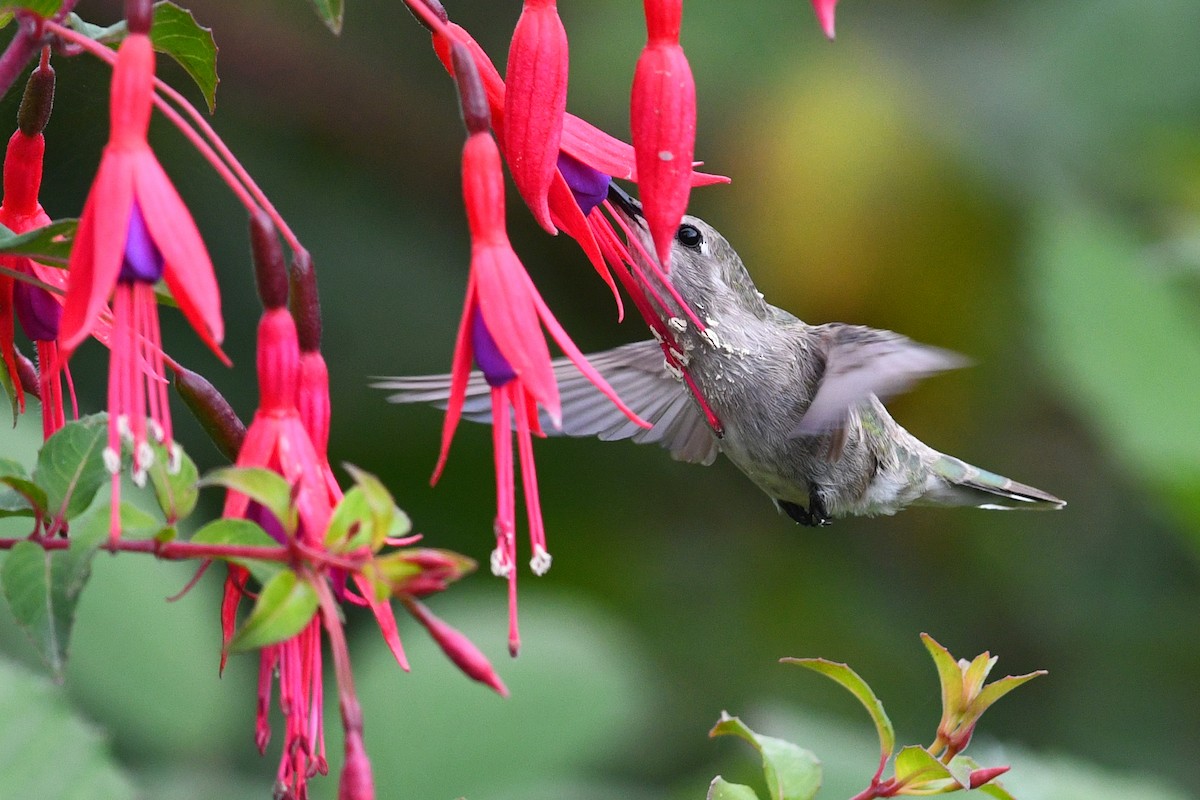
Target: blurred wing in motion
{"points": [[860, 362], [638, 374]]}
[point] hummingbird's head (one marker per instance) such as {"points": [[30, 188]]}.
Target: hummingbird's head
{"points": [[706, 270]]}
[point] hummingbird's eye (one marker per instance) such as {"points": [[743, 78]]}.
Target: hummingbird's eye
{"points": [[689, 236]]}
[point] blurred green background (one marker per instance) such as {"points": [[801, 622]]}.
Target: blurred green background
{"points": [[1013, 179]]}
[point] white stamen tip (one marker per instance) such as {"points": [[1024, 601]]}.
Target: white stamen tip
{"points": [[658, 337], [156, 430], [540, 563], [175, 462], [112, 460], [139, 477], [678, 323], [674, 371], [145, 456], [711, 336], [124, 430], [500, 566]]}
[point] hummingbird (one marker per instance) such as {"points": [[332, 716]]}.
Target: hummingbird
{"points": [[796, 407]]}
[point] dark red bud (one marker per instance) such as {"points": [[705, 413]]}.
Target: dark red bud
{"points": [[471, 95], [37, 101], [270, 273], [436, 7], [28, 375], [212, 411], [139, 14], [981, 776], [305, 303]]}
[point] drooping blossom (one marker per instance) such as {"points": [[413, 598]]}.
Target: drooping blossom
{"points": [[135, 230], [824, 9], [501, 331], [36, 308], [535, 102], [663, 123]]}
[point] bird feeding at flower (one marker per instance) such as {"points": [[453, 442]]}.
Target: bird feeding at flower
{"points": [[799, 406]]}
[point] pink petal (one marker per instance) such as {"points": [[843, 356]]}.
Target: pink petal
{"points": [[382, 610], [824, 9], [188, 270], [98, 249], [460, 371], [567, 214]]}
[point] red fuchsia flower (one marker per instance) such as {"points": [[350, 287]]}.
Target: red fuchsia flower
{"points": [[134, 231], [37, 309], [535, 102], [824, 9], [663, 123], [501, 330]]}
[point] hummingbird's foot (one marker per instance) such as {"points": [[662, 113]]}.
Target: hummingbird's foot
{"points": [[817, 518]]}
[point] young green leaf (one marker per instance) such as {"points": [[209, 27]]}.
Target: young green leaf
{"points": [[917, 769], [850, 679], [351, 524], [330, 12], [43, 8], [42, 587], [792, 772], [70, 467], [263, 486], [994, 691], [949, 675], [176, 490], [390, 521], [20, 497], [284, 606], [173, 32], [721, 789], [50, 244], [241, 532]]}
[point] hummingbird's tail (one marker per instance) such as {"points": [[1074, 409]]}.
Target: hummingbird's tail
{"points": [[957, 483]]}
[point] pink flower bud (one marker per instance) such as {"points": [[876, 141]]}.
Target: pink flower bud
{"points": [[824, 9], [356, 782], [663, 123], [535, 102], [981, 776], [461, 650]]}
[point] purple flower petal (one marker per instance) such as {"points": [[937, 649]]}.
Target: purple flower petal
{"points": [[589, 186], [266, 520], [496, 369], [143, 261], [37, 310]]}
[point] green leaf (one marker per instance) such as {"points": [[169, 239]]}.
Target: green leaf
{"points": [[241, 532], [721, 789], [389, 519], [176, 491], [36, 717], [330, 12], [42, 588], [263, 486], [173, 32], [50, 244], [792, 772], [10, 390], [995, 790], [20, 497], [176, 33], [850, 679], [284, 606], [949, 675], [994, 691], [350, 525], [917, 769], [70, 466], [43, 8]]}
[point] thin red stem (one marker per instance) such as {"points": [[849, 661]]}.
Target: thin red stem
{"points": [[182, 551]]}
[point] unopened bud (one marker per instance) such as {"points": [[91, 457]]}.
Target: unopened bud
{"points": [[37, 101], [270, 272], [461, 650], [356, 782], [139, 15], [471, 95], [305, 302], [981, 776], [212, 411]]}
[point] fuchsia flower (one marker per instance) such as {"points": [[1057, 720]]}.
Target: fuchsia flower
{"points": [[37, 309], [134, 231], [824, 9], [501, 330], [663, 123], [535, 102]]}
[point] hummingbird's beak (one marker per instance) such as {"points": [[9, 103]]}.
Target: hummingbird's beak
{"points": [[630, 207]]}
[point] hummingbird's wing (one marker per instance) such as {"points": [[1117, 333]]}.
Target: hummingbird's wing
{"points": [[860, 362], [638, 374]]}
